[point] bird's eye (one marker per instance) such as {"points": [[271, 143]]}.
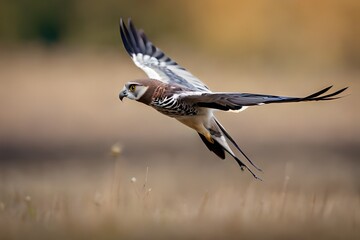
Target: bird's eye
{"points": [[132, 88]]}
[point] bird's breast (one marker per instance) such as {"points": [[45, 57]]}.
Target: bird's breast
{"points": [[172, 107]]}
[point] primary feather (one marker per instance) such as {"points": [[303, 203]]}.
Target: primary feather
{"points": [[154, 62], [237, 101]]}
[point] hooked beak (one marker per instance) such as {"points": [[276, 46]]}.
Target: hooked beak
{"points": [[122, 94]]}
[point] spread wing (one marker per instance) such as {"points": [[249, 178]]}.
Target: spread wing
{"points": [[154, 62], [237, 101]]}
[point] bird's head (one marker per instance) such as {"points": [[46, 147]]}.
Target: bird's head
{"points": [[133, 90]]}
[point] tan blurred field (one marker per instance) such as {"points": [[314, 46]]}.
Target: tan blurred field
{"points": [[60, 116]]}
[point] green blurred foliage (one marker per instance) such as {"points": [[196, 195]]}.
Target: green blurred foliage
{"points": [[318, 32], [36, 20], [85, 21]]}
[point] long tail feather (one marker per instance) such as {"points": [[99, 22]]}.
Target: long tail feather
{"points": [[219, 145], [236, 145], [242, 165]]}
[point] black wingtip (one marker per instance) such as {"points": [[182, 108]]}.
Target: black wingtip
{"points": [[122, 20], [126, 38], [314, 95], [130, 21], [121, 25], [317, 96], [336, 93]]}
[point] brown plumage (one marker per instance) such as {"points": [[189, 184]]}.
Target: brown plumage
{"points": [[153, 89]]}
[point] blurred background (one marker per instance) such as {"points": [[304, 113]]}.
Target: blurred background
{"points": [[69, 146]]}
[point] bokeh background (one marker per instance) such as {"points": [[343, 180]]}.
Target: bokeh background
{"points": [[75, 162]]}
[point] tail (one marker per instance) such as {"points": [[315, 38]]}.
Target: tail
{"points": [[236, 145], [219, 146]]}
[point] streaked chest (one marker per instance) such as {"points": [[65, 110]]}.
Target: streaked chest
{"points": [[173, 107]]}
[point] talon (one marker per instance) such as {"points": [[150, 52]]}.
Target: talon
{"points": [[209, 138]]}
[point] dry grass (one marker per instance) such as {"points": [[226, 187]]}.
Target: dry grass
{"points": [[178, 201], [59, 179]]}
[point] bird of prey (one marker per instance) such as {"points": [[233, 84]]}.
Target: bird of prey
{"points": [[175, 92]]}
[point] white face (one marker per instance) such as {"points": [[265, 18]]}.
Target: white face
{"points": [[133, 91]]}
